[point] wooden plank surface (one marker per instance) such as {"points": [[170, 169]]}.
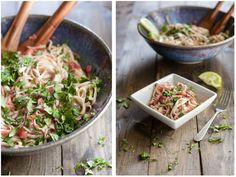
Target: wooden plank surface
{"points": [[45, 163], [86, 146], [218, 159], [137, 66], [83, 147]]}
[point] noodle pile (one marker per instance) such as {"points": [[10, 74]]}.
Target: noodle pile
{"points": [[45, 95], [173, 101], [188, 35]]}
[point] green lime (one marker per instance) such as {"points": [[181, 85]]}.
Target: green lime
{"points": [[212, 79], [151, 29]]}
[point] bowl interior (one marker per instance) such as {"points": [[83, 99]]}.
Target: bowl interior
{"points": [[92, 51], [184, 14]]}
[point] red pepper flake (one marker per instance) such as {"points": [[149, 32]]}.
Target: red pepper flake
{"points": [[88, 69]]}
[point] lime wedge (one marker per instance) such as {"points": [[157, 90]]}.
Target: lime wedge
{"points": [[150, 28], [212, 79]]}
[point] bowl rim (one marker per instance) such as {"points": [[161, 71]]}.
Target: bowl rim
{"points": [[133, 97], [230, 39], [35, 149]]}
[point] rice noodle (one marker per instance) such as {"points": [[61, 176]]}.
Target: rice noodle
{"points": [[173, 101], [50, 68], [189, 35]]}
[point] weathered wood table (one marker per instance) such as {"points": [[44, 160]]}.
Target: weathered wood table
{"points": [[61, 160], [137, 66]]}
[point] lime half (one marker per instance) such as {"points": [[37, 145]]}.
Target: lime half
{"points": [[150, 28], [212, 79]]}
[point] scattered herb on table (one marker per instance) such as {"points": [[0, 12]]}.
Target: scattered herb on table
{"points": [[88, 166], [215, 140], [191, 146], [222, 126], [102, 141], [125, 145], [125, 102], [172, 165], [157, 143], [144, 156]]}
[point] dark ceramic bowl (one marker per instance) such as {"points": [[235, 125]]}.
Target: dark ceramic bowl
{"points": [[92, 50], [189, 15]]}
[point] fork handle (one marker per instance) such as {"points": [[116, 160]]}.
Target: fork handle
{"points": [[204, 130]]}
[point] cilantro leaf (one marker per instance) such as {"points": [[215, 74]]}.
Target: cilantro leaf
{"points": [[102, 141], [54, 136]]}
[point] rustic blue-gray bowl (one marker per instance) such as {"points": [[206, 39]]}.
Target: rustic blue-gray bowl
{"points": [[92, 51], [189, 15]]}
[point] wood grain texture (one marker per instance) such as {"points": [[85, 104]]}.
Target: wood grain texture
{"points": [[62, 159], [86, 146], [137, 66], [220, 163], [45, 163]]}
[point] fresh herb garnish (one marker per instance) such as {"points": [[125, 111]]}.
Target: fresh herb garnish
{"points": [[54, 136], [24, 101], [125, 102], [125, 145], [144, 156], [172, 165], [191, 146], [12, 132], [10, 70], [222, 126], [157, 143], [164, 28], [102, 141], [215, 140], [99, 163]]}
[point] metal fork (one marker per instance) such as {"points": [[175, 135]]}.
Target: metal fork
{"points": [[219, 107]]}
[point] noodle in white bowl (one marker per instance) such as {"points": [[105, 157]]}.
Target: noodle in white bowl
{"points": [[173, 100]]}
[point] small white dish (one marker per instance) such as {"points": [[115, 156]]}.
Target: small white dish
{"points": [[204, 96]]}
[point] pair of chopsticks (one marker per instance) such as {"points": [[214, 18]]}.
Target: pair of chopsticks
{"points": [[10, 42], [209, 21]]}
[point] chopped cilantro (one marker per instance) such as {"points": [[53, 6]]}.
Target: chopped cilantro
{"points": [[88, 166], [11, 66], [222, 126], [48, 109], [215, 140], [102, 141], [12, 132], [144, 156], [124, 102], [86, 117], [191, 146], [172, 165], [164, 28], [54, 136], [125, 145], [20, 84]]}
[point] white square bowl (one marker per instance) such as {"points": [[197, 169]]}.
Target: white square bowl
{"points": [[204, 96]]}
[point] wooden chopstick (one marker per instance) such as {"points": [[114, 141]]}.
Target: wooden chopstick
{"points": [[42, 36], [208, 21], [219, 27], [11, 40]]}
